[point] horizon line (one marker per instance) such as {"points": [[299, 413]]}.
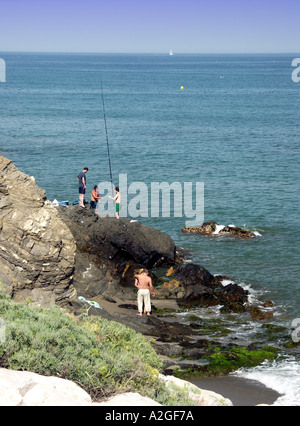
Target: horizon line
{"points": [[146, 53]]}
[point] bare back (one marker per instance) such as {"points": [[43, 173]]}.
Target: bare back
{"points": [[145, 282]]}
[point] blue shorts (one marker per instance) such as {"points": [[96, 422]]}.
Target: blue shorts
{"points": [[82, 191], [93, 204]]}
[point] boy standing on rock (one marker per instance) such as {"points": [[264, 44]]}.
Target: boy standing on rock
{"points": [[117, 200], [144, 284]]}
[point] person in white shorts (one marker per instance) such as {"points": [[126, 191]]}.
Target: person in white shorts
{"points": [[144, 284]]}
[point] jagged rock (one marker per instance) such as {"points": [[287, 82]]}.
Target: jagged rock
{"points": [[207, 228], [110, 252], [37, 250], [118, 240], [214, 229], [193, 285]]}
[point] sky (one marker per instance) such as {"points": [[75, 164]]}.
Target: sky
{"points": [[150, 26]]}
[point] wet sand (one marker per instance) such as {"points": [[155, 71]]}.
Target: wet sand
{"points": [[242, 392]]}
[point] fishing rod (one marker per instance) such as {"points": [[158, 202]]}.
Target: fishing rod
{"points": [[107, 141]]}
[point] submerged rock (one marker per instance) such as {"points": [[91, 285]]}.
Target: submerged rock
{"points": [[213, 229], [37, 250]]}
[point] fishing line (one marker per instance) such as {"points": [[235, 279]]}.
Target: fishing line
{"points": [[107, 140]]}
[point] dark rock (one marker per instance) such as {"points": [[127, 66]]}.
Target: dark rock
{"points": [[232, 293], [207, 228], [233, 308], [128, 306], [269, 304], [127, 272], [237, 232], [211, 228], [111, 252], [192, 275], [259, 315], [192, 285], [168, 349], [169, 331], [119, 240]]}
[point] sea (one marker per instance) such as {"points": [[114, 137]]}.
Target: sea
{"points": [[231, 122]]}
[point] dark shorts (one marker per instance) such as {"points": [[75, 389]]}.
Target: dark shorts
{"points": [[117, 208], [82, 191], [93, 204]]}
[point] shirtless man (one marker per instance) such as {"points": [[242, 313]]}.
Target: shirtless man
{"points": [[144, 283], [95, 198], [117, 200]]}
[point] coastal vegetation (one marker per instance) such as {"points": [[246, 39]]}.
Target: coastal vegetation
{"points": [[103, 357]]}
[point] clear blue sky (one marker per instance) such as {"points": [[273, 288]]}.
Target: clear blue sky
{"points": [[150, 26]]}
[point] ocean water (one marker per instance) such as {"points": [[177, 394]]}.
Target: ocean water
{"points": [[235, 126]]}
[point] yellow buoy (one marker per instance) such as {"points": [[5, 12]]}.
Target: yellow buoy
{"points": [[182, 87]]}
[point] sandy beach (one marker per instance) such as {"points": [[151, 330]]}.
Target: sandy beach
{"points": [[242, 392]]}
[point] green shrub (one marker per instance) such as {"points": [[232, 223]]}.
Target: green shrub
{"points": [[103, 357]]}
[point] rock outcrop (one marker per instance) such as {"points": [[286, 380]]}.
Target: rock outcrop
{"points": [[110, 251], [37, 250], [118, 240], [192, 285], [213, 229]]}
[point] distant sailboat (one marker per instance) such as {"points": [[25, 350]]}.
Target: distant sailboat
{"points": [[171, 53]]}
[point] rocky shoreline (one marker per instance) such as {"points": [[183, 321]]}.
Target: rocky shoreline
{"points": [[52, 255]]}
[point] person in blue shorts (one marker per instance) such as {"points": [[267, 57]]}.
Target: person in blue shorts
{"points": [[95, 199], [82, 186]]}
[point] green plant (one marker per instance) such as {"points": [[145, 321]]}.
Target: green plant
{"points": [[103, 357]]}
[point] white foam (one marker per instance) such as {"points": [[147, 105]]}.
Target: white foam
{"points": [[225, 283], [283, 376], [219, 229], [204, 313]]}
